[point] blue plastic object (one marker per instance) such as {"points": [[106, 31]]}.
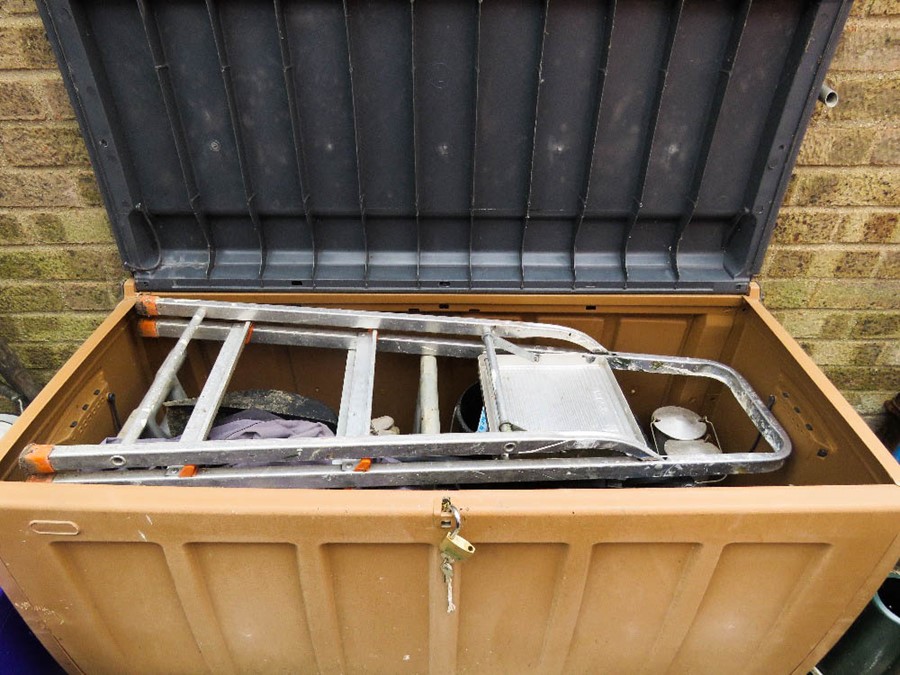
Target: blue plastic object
{"points": [[21, 653]]}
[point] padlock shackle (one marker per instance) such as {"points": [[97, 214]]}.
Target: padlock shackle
{"points": [[457, 519]]}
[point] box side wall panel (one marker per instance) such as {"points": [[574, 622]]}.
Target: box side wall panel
{"points": [[832, 444]]}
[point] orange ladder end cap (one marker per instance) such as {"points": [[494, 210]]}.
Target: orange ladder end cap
{"points": [[147, 328], [36, 458], [40, 478], [146, 305]]}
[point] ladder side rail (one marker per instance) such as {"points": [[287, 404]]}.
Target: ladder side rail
{"points": [[269, 450], [365, 320], [165, 380], [204, 414], [445, 472]]}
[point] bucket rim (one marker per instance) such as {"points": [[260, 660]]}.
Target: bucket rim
{"points": [[879, 603]]}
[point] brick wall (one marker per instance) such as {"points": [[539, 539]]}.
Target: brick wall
{"points": [[59, 269], [831, 275]]}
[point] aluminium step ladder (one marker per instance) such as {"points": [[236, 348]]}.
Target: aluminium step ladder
{"points": [[554, 413]]}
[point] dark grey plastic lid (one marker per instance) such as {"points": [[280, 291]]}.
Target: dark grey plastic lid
{"points": [[572, 145]]}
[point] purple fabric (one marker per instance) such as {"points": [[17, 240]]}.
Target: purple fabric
{"points": [[249, 424], [253, 423]]}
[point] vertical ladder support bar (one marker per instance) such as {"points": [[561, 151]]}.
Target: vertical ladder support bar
{"points": [[210, 398], [428, 416], [355, 416], [499, 401], [177, 391], [162, 384]]}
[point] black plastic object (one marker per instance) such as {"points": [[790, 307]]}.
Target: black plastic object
{"points": [[889, 432], [572, 145], [468, 410], [872, 644]]}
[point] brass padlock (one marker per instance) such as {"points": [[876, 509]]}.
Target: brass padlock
{"points": [[456, 546]]}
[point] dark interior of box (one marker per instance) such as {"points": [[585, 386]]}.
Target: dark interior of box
{"points": [[826, 449]]}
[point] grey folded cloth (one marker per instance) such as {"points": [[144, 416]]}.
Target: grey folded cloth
{"points": [[285, 404], [253, 423]]}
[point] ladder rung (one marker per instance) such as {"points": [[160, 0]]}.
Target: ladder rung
{"points": [[163, 383], [210, 398], [355, 416]]}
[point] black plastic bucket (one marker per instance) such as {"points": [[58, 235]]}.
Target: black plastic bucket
{"points": [[467, 413], [872, 644]]}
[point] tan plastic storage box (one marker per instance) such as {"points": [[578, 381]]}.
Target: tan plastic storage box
{"points": [[615, 167]]}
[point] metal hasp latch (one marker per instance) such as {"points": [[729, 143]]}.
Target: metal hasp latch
{"points": [[554, 413]]}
